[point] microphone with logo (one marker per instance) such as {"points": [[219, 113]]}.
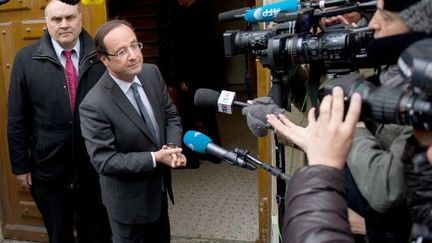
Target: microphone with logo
{"points": [[266, 13], [201, 143], [211, 98], [255, 113]]}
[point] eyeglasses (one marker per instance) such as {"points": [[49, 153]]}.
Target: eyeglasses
{"points": [[125, 51]]}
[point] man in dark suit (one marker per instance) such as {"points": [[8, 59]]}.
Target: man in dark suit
{"points": [[127, 121], [49, 79]]}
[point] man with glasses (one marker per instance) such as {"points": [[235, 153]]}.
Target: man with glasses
{"points": [[132, 128]]}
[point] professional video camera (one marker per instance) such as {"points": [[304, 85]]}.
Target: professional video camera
{"points": [[278, 48], [406, 106]]}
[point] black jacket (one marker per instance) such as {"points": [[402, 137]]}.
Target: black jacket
{"points": [[316, 207], [418, 180], [44, 136]]}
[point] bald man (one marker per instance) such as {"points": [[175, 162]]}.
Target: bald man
{"points": [[48, 81]]}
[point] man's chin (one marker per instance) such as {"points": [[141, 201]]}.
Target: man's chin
{"points": [[136, 69]]}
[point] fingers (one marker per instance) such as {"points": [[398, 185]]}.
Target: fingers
{"points": [[354, 110], [29, 180], [311, 116], [429, 154], [342, 19], [337, 106], [325, 108], [280, 123]]}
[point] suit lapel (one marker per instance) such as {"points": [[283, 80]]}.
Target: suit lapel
{"points": [[120, 99]]}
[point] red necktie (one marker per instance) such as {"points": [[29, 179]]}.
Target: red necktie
{"points": [[72, 78]]}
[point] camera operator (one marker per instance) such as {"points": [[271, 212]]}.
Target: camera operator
{"points": [[373, 165], [316, 194]]}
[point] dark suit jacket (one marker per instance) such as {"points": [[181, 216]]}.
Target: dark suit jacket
{"points": [[44, 136], [119, 145]]}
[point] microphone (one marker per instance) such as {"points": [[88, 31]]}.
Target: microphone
{"points": [[70, 2], [85, 2], [211, 98], [260, 14], [233, 14], [267, 12], [201, 143], [256, 115]]}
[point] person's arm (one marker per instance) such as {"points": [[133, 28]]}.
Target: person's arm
{"points": [[316, 193], [376, 167], [19, 128], [316, 209]]}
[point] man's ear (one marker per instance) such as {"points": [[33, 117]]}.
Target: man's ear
{"points": [[103, 58]]}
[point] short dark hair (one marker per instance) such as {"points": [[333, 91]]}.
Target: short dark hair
{"points": [[104, 30]]}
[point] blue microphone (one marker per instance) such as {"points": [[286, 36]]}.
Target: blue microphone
{"points": [[267, 12], [196, 141], [201, 143]]}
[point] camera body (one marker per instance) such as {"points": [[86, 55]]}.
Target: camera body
{"points": [[410, 105], [293, 41]]}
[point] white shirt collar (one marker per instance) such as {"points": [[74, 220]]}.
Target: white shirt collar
{"points": [[58, 49], [124, 85]]}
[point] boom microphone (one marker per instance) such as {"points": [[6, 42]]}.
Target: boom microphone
{"points": [[201, 143], [211, 98]]}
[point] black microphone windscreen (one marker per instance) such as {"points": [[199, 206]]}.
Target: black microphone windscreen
{"points": [[71, 2], [232, 14], [206, 98]]}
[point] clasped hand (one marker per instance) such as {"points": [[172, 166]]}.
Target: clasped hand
{"points": [[170, 156]]}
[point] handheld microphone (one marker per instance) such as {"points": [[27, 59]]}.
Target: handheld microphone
{"points": [[211, 98], [201, 143]]}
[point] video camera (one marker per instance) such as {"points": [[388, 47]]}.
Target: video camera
{"points": [[409, 105], [278, 47]]}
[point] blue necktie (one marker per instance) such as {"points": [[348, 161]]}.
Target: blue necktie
{"points": [[144, 113]]}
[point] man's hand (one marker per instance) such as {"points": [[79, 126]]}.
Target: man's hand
{"points": [[171, 157], [24, 180], [357, 223], [328, 139]]}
